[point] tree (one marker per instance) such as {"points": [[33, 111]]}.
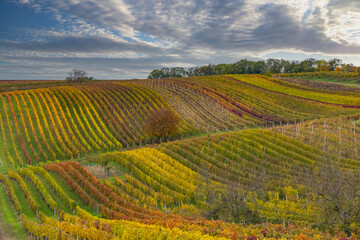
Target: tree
{"points": [[309, 65], [245, 66], [334, 63], [190, 72], [260, 67], [323, 66], [240, 67], [285, 66], [232, 201], [337, 196], [155, 74], [162, 123], [205, 70], [348, 67], [78, 75], [175, 72], [273, 65]]}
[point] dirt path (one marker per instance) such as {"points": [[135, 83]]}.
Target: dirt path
{"points": [[100, 173], [1, 164], [5, 233]]}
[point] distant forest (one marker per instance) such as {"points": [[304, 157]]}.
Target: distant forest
{"points": [[244, 66]]}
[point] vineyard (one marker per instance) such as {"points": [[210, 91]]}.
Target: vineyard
{"points": [[333, 74], [343, 81], [76, 163]]}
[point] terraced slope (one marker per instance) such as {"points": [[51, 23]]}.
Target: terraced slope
{"points": [[39, 196], [68, 122], [195, 106], [255, 99], [171, 173], [339, 98], [49, 137], [337, 136], [160, 181]]}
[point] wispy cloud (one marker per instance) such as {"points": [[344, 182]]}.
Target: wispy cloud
{"points": [[138, 35]]}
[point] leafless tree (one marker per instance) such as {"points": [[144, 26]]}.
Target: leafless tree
{"points": [[337, 195], [231, 201], [77, 75]]}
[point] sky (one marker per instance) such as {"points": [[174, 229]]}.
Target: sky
{"points": [[125, 39]]}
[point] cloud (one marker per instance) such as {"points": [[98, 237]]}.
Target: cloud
{"points": [[276, 29], [350, 5], [280, 31], [108, 13], [36, 67], [139, 35], [246, 25], [221, 25], [39, 66], [73, 45]]}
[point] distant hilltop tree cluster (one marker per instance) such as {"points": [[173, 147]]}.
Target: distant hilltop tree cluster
{"points": [[78, 76], [175, 72], [244, 66]]}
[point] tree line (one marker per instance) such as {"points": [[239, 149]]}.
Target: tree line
{"points": [[244, 66]]}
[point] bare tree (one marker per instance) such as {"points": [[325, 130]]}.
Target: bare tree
{"points": [[337, 196], [77, 75], [232, 201]]}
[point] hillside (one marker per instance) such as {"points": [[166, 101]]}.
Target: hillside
{"points": [[75, 161], [343, 80]]}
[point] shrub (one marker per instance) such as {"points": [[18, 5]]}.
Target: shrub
{"points": [[162, 123]]}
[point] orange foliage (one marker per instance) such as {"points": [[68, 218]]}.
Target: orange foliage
{"points": [[162, 123]]}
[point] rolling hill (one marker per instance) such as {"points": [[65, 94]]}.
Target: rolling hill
{"points": [[76, 163]]}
